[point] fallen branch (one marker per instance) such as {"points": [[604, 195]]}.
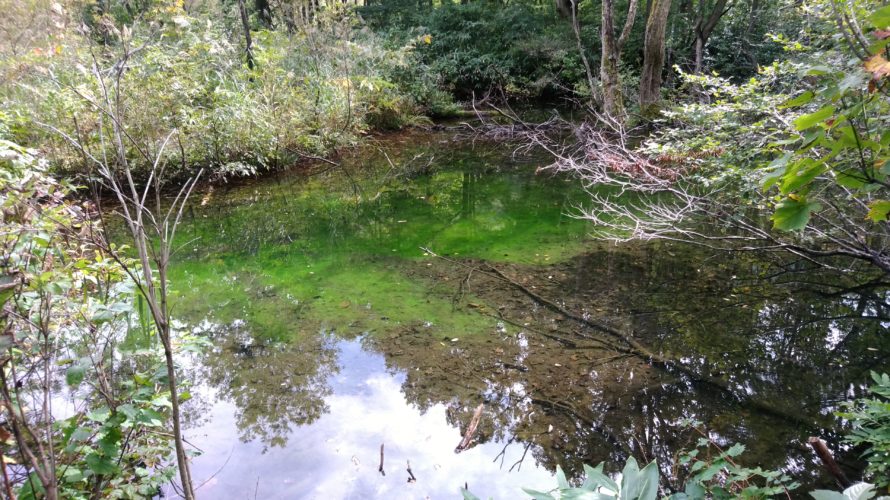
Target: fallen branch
{"points": [[831, 466], [471, 430], [380, 469], [411, 478]]}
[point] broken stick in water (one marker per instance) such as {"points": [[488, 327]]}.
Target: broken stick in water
{"points": [[411, 478], [471, 430], [381, 461]]}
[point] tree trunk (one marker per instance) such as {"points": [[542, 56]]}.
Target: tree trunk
{"points": [[185, 473], [264, 12], [703, 28], [653, 57], [565, 8], [613, 101], [576, 27], [248, 43]]}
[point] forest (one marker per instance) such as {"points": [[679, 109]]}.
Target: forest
{"points": [[548, 249]]}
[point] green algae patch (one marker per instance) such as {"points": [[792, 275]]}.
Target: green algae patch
{"points": [[295, 253], [350, 300]]}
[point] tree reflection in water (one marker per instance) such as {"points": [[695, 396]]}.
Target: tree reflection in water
{"points": [[275, 386], [785, 343]]}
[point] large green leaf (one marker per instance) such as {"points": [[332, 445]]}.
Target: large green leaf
{"points": [[596, 478], [561, 478], [649, 482], [32, 489], [467, 495], [582, 494], [881, 18], [800, 174], [639, 484], [776, 170], [792, 215], [100, 464], [800, 100], [539, 495], [74, 375], [806, 121]]}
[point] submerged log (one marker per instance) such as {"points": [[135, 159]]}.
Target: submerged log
{"points": [[831, 466], [471, 430], [656, 359]]}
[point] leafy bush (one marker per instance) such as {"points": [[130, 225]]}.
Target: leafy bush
{"points": [[72, 329], [870, 418], [311, 91], [517, 48]]}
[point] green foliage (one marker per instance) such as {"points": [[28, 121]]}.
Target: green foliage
{"points": [[716, 478], [312, 91], [805, 141], [480, 45], [839, 147], [715, 473], [859, 491], [636, 483], [870, 418], [70, 319]]}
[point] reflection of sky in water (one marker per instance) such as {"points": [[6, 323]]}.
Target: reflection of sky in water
{"points": [[338, 455]]}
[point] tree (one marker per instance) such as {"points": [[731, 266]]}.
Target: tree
{"points": [[653, 56], [826, 190], [565, 8], [706, 18], [248, 43], [151, 226], [613, 100]]}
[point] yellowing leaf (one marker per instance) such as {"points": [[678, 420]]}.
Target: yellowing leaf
{"points": [[878, 210], [878, 67]]}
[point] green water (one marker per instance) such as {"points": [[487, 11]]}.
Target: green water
{"points": [[335, 330], [326, 250]]}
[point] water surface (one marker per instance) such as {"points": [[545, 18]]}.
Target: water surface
{"points": [[336, 330]]}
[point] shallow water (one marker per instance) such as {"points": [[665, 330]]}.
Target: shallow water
{"points": [[335, 331], [338, 455]]}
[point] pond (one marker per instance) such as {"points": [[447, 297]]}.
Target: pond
{"points": [[367, 311]]}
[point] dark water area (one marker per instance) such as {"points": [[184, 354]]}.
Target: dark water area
{"points": [[384, 301]]}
